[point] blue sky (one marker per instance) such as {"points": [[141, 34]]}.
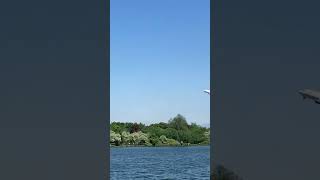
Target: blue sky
{"points": [[160, 60]]}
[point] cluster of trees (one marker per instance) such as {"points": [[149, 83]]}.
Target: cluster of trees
{"points": [[174, 133]]}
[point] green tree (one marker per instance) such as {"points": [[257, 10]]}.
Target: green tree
{"points": [[115, 138], [184, 136], [154, 140], [128, 126], [154, 130], [172, 142], [134, 138], [125, 137], [179, 123], [207, 136], [143, 138], [171, 133], [163, 139], [116, 127]]}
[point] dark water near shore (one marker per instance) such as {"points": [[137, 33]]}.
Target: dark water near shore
{"points": [[160, 163]]}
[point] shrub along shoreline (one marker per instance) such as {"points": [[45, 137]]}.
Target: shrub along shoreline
{"points": [[177, 132]]}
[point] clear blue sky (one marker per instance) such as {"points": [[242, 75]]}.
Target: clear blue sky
{"points": [[160, 60]]}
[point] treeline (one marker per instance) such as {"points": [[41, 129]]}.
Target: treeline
{"points": [[176, 132]]}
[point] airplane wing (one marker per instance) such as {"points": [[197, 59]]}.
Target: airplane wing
{"points": [[206, 91]]}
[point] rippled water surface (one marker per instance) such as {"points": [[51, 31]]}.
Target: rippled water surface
{"points": [[160, 163]]}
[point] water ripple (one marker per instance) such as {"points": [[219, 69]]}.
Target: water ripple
{"points": [[164, 163]]}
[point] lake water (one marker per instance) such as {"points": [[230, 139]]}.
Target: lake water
{"points": [[160, 163]]}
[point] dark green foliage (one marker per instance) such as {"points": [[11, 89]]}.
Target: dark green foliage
{"points": [[171, 133], [154, 130], [163, 125], [179, 123], [154, 140], [114, 127], [135, 128]]}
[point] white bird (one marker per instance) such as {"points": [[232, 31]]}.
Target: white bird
{"points": [[206, 91]]}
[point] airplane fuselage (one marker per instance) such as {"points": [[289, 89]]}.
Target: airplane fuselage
{"points": [[311, 94]]}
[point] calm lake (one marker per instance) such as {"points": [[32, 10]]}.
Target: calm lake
{"points": [[160, 163]]}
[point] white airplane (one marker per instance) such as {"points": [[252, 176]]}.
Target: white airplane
{"points": [[206, 91]]}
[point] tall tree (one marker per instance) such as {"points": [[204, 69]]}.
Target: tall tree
{"points": [[179, 123], [135, 128]]}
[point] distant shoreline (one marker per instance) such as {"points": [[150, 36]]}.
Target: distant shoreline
{"points": [[128, 146], [177, 132]]}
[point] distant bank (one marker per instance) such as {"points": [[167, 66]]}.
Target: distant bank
{"points": [[129, 146], [177, 132]]}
